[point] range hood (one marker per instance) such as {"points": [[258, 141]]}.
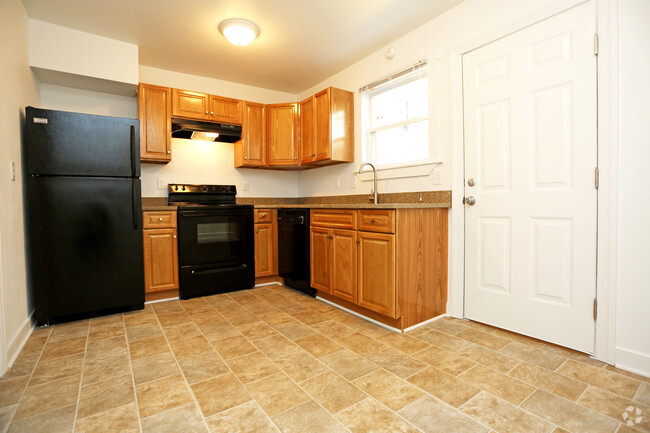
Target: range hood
{"points": [[205, 131]]}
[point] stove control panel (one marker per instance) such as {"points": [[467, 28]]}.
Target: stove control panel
{"points": [[202, 189]]}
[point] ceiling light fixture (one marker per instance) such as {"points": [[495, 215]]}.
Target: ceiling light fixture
{"points": [[238, 31]]}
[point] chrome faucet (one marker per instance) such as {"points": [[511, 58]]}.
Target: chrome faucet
{"points": [[373, 193]]}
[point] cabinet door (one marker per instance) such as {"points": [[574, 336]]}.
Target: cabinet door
{"points": [[154, 111], [263, 250], [322, 125], [320, 259], [254, 135], [192, 105], [282, 130], [344, 264], [225, 110], [377, 273], [160, 259], [307, 144]]}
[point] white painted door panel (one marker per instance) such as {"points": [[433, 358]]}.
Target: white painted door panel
{"points": [[530, 144]]}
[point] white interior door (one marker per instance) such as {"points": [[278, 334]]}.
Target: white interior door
{"points": [[530, 146]]}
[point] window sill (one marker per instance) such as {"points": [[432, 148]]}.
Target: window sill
{"points": [[399, 171]]}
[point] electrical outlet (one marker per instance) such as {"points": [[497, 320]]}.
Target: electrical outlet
{"points": [[246, 186], [338, 183], [353, 184], [437, 175], [162, 183]]}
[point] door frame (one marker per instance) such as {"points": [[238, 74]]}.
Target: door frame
{"points": [[607, 139]]}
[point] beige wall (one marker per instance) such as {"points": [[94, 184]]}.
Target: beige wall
{"points": [[18, 88]]}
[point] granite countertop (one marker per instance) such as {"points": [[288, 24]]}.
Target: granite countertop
{"points": [[156, 203], [408, 200], [352, 206]]}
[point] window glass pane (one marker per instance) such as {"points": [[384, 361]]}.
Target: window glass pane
{"points": [[400, 144], [399, 103]]}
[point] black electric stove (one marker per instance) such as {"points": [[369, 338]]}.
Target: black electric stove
{"points": [[215, 240]]}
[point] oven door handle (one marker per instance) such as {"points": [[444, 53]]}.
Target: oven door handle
{"points": [[217, 270]]}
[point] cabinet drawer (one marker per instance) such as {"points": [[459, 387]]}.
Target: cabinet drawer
{"points": [[263, 216], [159, 219], [334, 218], [380, 220]]}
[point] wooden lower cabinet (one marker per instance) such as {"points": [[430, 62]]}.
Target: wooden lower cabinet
{"points": [[344, 264], [266, 243], [399, 277], [376, 284], [160, 253]]}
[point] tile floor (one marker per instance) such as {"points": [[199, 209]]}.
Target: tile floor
{"points": [[271, 360]]}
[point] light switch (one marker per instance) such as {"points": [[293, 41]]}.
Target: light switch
{"points": [[437, 175], [162, 183], [12, 171], [246, 186]]}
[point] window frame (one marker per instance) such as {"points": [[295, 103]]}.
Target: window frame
{"points": [[404, 77]]}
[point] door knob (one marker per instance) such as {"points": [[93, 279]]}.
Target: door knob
{"points": [[469, 200]]}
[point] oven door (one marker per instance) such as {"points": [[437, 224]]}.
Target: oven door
{"points": [[212, 236]]}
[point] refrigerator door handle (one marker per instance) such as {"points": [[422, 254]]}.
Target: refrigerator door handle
{"points": [[133, 161], [134, 203]]}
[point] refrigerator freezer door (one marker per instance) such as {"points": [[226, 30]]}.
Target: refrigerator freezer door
{"points": [[85, 256], [74, 144]]}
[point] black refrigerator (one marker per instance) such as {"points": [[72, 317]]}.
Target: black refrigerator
{"points": [[83, 215]]}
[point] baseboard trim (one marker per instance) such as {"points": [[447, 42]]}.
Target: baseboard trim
{"points": [[347, 310], [433, 319], [632, 361], [18, 342]]}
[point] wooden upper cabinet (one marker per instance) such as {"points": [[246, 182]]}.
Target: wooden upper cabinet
{"points": [[250, 151], [225, 110], [327, 127], [307, 145], [192, 105], [282, 134], [322, 119], [201, 106], [154, 111]]}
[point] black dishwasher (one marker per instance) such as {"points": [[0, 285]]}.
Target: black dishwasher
{"points": [[293, 249]]}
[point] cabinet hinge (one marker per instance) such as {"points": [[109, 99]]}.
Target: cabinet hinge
{"points": [[596, 44], [595, 308], [596, 177]]}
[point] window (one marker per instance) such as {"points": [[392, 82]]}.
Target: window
{"points": [[395, 118]]}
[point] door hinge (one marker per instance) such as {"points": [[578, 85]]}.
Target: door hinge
{"points": [[595, 308], [596, 44], [596, 177]]}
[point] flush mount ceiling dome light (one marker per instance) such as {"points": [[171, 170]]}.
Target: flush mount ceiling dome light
{"points": [[238, 31]]}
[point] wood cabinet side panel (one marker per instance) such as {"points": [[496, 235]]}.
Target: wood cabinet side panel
{"points": [[421, 264], [342, 125]]}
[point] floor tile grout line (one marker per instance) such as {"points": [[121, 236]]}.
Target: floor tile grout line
{"points": [[128, 354], [31, 375], [180, 369], [81, 378]]}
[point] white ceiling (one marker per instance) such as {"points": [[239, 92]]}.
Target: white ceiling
{"points": [[301, 43]]}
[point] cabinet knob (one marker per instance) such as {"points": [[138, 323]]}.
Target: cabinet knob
{"points": [[245, 157], [212, 112], [313, 154], [206, 112], [372, 220], [160, 219], [174, 236], [168, 152], [257, 231], [295, 157]]}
